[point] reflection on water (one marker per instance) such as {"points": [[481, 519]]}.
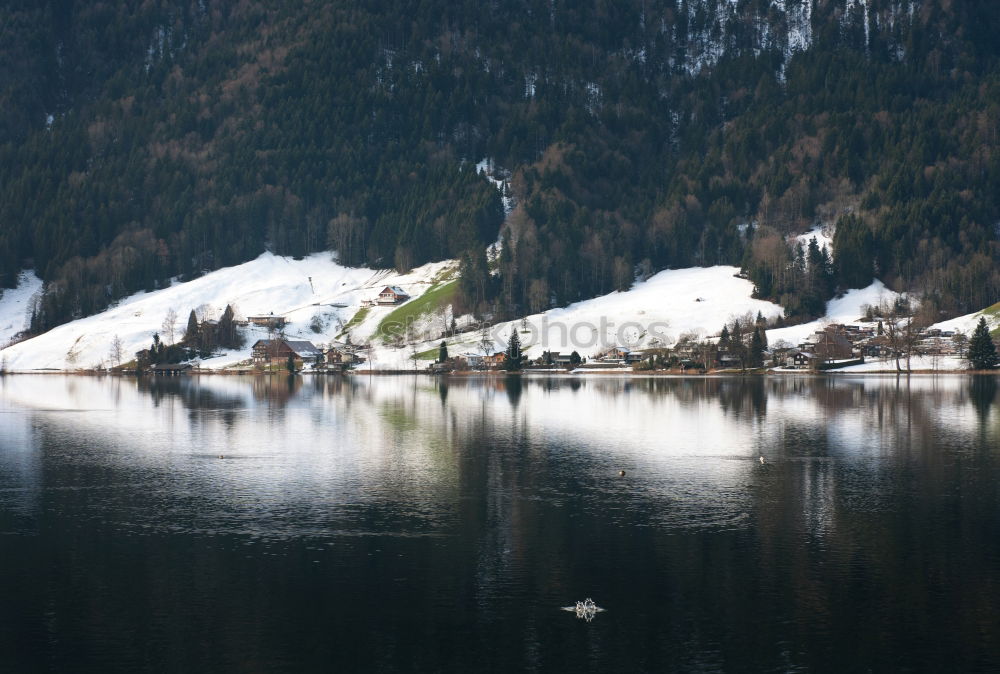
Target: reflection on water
{"points": [[419, 524]]}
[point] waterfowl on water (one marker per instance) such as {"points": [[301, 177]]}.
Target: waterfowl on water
{"points": [[621, 473], [762, 459]]}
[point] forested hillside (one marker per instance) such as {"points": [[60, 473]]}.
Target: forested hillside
{"points": [[145, 140]]}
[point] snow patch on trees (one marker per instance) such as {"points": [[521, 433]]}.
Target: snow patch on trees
{"points": [[16, 305]]}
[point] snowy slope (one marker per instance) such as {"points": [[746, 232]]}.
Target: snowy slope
{"points": [[675, 302], [917, 363], [15, 306], [267, 284], [823, 235], [847, 309], [967, 323]]}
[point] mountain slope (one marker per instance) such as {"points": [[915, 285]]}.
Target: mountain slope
{"points": [[141, 141]]}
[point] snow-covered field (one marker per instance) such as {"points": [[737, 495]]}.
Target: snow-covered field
{"points": [[967, 323], [847, 309], [917, 363], [671, 304], [296, 289]]}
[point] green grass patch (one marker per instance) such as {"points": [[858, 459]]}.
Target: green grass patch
{"points": [[449, 273], [993, 312], [356, 320], [429, 354], [435, 299]]}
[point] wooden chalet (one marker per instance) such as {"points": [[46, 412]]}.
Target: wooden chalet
{"points": [[495, 361], [391, 295], [268, 321], [804, 360], [342, 357], [276, 352]]}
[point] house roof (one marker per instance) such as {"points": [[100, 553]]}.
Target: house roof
{"points": [[303, 348], [396, 290]]}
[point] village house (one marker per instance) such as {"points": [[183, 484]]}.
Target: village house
{"points": [[876, 347], [615, 354], [495, 361], [554, 359], [804, 360], [269, 321], [449, 365], [688, 350], [473, 361], [340, 358], [335, 356], [391, 295], [726, 360], [780, 356], [276, 352], [833, 345]]}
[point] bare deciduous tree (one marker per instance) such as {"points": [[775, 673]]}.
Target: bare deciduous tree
{"points": [[169, 327], [72, 357], [901, 329], [116, 350], [414, 354], [961, 343], [486, 341], [446, 318]]}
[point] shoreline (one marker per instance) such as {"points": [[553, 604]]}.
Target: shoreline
{"points": [[503, 373]]}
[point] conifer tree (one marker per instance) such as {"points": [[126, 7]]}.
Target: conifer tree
{"points": [[982, 350], [513, 361], [761, 323], [757, 347], [227, 329], [191, 334], [443, 352], [724, 338], [156, 350]]}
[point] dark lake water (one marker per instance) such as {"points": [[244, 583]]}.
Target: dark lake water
{"points": [[411, 524]]}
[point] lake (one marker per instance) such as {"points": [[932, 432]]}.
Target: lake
{"points": [[414, 524]]}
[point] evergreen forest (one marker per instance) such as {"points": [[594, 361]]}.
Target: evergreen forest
{"points": [[142, 141]]}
